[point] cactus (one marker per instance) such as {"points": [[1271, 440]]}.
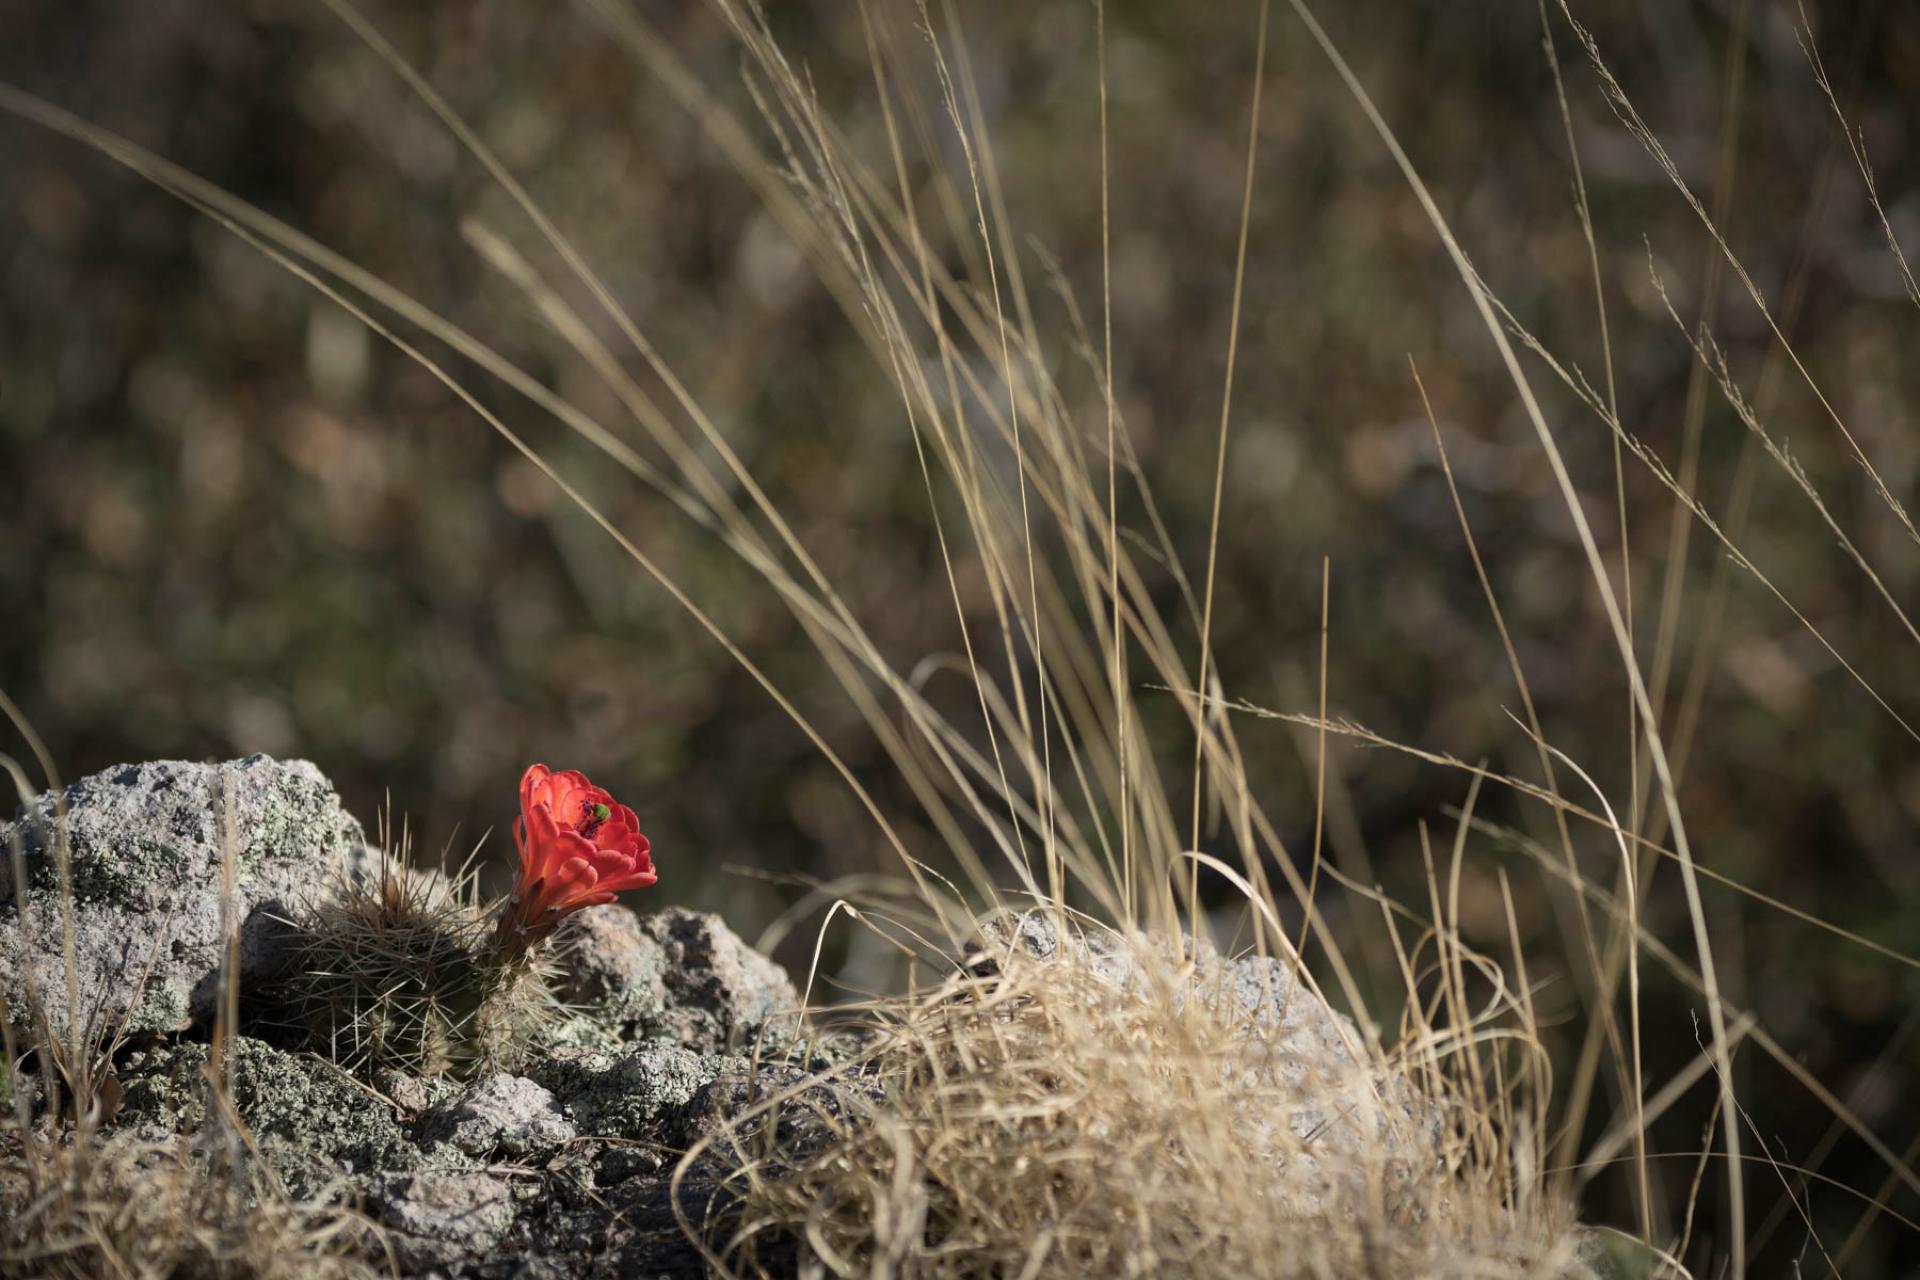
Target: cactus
{"points": [[402, 970]]}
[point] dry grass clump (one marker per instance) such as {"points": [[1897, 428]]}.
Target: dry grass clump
{"points": [[1109, 1110], [1115, 1109], [82, 1206]]}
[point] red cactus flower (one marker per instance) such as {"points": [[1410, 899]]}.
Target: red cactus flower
{"points": [[578, 847]]}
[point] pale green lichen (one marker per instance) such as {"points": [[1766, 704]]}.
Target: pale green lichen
{"points": [[632, 1095], [311, 1120], [104, 871], [161, 1005], [299, 818], [118, 868]]}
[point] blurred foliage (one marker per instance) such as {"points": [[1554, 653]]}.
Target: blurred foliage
{"points": [[237, 522]]}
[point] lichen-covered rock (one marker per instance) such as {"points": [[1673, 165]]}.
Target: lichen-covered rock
{"points": [[503, 1114], [564, 1170], [676, 975], [312, 1122], [146, 843], [440, 1220], [643, 1094]]}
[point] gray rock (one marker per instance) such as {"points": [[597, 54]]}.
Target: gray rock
{"points": [[1260, 997], [643, 1094], [503, 1114], [1305, 1056], [410, 1093], [675, 975], [632, 1229], [619, 1163], [1307, 1082], [609, 967], [312, 1122], [146, 843], [1265, 994], [806, 1111], [443, 1219], [1008, 933]]}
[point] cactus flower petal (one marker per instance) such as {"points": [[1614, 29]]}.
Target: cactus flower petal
{"points": [[578, 847]]}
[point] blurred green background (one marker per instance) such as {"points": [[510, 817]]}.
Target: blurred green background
{"points": [[236, 522]]}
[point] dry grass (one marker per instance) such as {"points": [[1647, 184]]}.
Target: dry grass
{"points": [[1051, 1118], [1055, 1119], [83, 1207], [1108, 1109]]}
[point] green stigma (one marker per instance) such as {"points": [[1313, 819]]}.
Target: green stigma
{"points": [[601, 813]]}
